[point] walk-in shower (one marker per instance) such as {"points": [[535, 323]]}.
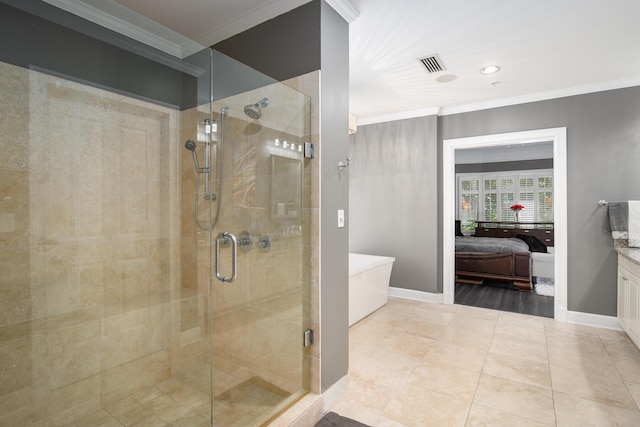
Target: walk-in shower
{"points": [[121, 184]]}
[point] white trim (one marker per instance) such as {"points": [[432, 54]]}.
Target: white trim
{"points": [[596, 320], [399, 116], [559, 138], [333, 394], [108, 19], [503, 102], [414, 295], [344, 9], [577, 317], [543, 96]]}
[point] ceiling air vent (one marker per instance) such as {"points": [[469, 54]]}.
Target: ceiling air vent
{"points": [[432, 63]]}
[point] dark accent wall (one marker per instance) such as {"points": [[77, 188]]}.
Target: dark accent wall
{"points": [[334, 242], [73, 48], [603, 154], [284, 47], [521, 165], [394, 210]]}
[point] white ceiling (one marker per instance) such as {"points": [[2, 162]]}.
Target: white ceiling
{"points": [[545, 48]]}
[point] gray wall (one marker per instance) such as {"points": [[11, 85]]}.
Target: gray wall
{"points": [[393, 189], [603, 137], [334, 245], [603, 154]]}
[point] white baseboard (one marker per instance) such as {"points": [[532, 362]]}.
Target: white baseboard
{"points": [[414, 295], [589, 319], [561, 315]]}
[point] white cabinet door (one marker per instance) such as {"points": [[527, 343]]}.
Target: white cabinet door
{"points": [[623, 299], [629, 298], [634, 308]]}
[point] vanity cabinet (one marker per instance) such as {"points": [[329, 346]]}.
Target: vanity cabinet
{"points": [[629, 298]]}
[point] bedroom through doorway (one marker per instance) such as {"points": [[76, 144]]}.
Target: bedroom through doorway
{"points": [[500, 190], [504, 205]]}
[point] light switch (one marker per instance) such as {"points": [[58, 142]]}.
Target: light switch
{"points": [[340, 218]]}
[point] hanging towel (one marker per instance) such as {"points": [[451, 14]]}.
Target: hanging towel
{"points": [[618, 219], [634, 223]]}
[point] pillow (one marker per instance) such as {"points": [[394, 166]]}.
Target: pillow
{"points": [[458, 228], [535, 245]]}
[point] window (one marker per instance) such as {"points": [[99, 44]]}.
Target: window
{"points": [[489, 196], [468, 207]]}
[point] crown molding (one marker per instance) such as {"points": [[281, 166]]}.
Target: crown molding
{"points": [[106, 16], [399, 116], [344, 9], [542, 96], [504, 102]]}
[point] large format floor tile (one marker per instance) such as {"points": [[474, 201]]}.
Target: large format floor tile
{"points": [[420, 364]]}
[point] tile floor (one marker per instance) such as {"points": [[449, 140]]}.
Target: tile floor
{"points": [[419, 364], [175, 403]]}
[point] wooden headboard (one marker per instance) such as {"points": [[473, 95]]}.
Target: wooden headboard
{"points": [[542, 230]]}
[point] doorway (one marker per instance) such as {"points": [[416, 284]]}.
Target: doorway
{"points": [[558, 137]]}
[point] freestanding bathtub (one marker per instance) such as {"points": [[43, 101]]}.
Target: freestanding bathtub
{"points": [[368, 284]]}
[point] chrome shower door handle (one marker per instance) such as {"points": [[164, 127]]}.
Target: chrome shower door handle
{"points": [[224, 238]]}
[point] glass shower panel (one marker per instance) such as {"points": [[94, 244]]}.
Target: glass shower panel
{"points": [[259, 365], [101, 320]]}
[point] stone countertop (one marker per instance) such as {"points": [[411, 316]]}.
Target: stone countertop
{"points": [[632, 254]]}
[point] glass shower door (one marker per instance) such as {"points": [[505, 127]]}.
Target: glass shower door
{"points": [[257, 319]]}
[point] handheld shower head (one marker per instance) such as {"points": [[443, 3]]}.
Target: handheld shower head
{"points": [[254, 111], [191, 146]]}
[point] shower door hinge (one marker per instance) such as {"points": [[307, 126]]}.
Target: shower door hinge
{"points": [[308, 337], [308, 150]]}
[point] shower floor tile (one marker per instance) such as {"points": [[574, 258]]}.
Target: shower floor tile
{"points": [[175, 403]]}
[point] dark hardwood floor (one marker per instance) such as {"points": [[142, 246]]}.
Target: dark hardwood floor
{"points": [[505, 297]]}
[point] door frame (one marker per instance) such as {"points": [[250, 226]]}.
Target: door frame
{"points": [[559, 138]]}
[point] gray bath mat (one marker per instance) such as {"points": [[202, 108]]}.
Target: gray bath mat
{"points": [[331, 419]]}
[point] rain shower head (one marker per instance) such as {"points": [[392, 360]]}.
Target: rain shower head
{"points": [[254, 111]]}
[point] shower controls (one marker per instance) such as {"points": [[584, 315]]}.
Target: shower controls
{"points": [[227, 239], [264, 243], [245, 241]]}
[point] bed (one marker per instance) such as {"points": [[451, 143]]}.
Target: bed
{"points": [[495, 253]]}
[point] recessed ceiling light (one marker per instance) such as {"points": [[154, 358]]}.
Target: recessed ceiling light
{"points": [[489, 69]]}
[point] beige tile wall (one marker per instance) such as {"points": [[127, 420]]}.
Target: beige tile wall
{"points": [[86, 239], [104, 285]]}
